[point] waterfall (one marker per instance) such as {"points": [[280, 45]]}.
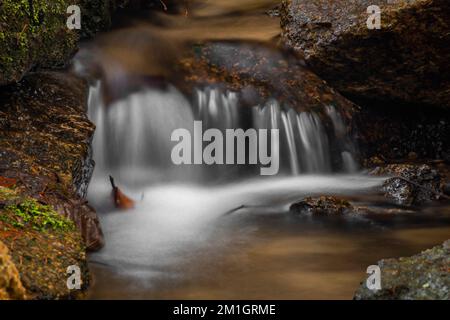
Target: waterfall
{"points": [[133, 134], [347, 147], [288, 128]]}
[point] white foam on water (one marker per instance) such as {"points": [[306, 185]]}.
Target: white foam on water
{"points": [[173, 221]]}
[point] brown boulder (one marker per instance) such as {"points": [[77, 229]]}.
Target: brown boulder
{"points": [[324, 205], [259, 71]]}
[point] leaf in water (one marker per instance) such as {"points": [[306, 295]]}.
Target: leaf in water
{"points": [[121, 201]]}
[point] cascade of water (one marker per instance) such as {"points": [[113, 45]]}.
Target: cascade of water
{"points": [[288, 128], [216, 109], [308, 150], [314, 143], [133, 135], [96, 112], [348, 161], [135, 132]]}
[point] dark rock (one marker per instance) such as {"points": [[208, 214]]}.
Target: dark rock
{"points": [[412, 156], [425, 276], [406, 60], [446, 189], [45, 145], [446, 157], [411, 184], [97, 15], [100, 15], [395, 131], [324, 205]]}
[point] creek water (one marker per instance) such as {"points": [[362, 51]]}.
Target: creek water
{"points": [[223, 231]]}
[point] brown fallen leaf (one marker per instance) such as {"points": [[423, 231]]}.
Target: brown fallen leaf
{"points": [[121, 201]]}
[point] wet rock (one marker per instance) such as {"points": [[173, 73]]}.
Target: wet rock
{"points": [[97, 15], [261, 72], [324, 205], [384, 130], [406, 60], [45, 145], [11, 287], [425, 276], [33, 34], [411, 184]]}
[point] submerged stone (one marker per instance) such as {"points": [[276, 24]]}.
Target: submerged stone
{"points": [[324, 205], [411, 184]]}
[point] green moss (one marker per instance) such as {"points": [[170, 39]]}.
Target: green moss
{"points": [[33, 34], [30, 213]]}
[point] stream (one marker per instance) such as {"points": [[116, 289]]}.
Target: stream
{"points": [[223, 231]]}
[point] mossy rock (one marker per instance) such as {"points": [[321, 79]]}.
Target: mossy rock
{"points": [[42, 245], [425, 276], [33, 34]]}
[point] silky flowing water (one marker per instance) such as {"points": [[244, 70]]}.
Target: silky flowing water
{"points": [[223, 231]]}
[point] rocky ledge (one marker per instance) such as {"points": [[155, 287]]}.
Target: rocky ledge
{"points": [[260, 72], [425, 276], [45, 167]]}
